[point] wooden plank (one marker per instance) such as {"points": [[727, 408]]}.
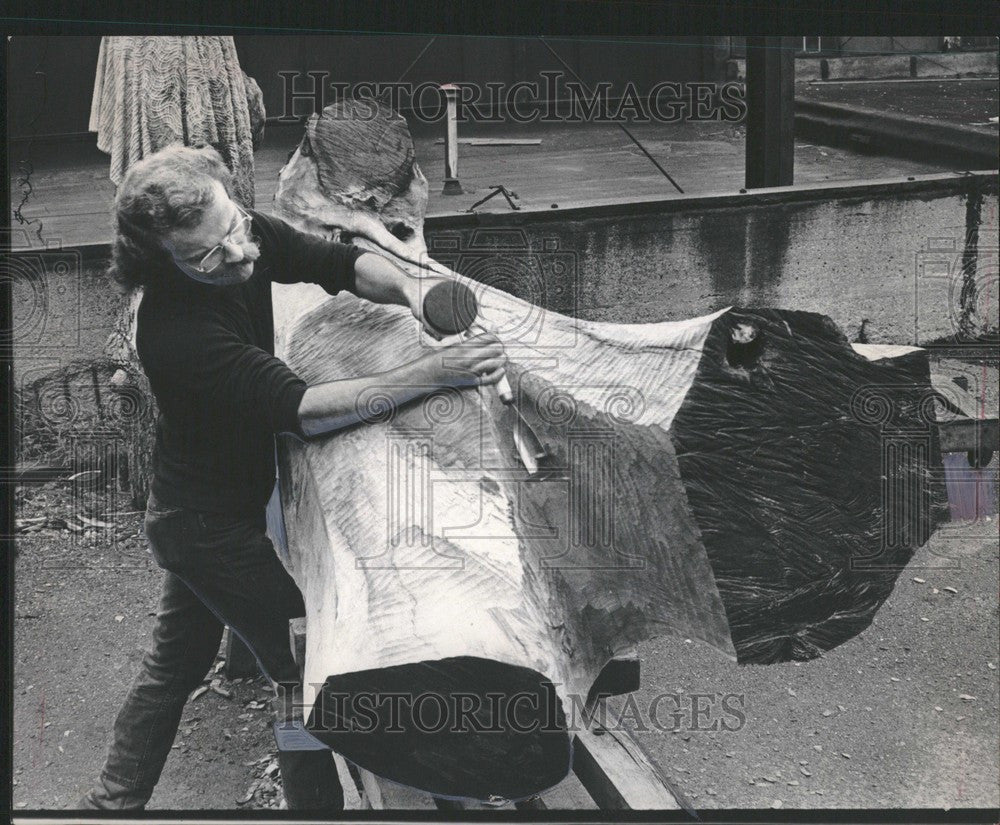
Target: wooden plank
{"points": [[618, 775], [381, 795], [352, 799], [495, 141], [372, 791], [297, 639], [569, 795], [401, 798]]}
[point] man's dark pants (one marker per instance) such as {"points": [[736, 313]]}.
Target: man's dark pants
{"points": [[220, 569]]}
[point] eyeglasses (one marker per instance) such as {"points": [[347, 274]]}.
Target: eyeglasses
{"points": [[217, 254]]}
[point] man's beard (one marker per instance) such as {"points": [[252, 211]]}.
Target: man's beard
{"points": [[235, 274]]}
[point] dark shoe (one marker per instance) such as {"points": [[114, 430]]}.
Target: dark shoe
{"points": [[86, 803], [109, 795]]}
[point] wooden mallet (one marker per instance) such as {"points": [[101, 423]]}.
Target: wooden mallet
{"points": [[451, 308]]}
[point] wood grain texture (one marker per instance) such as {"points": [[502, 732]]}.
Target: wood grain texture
{"points": [[618, 775], [684, 491]]}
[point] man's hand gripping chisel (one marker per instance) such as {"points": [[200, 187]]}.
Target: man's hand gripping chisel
{"points": [[450, 308]]}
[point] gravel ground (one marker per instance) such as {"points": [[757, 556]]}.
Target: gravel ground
{"points": [[84, 609], [878, 722]]}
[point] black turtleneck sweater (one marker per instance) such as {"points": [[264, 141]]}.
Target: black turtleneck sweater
{"points": [[208, 352]]}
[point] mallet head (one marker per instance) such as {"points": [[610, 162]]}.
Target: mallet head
{"points": [[450, 307]]}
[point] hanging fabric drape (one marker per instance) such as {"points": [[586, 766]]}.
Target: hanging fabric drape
{"points": [[150, 92]]}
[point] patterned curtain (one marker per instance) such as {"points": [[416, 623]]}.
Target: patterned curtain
{"points": [[153, 91]]}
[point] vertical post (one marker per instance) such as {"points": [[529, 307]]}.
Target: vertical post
{"points": [[770, 142], [7, 453], [451, 184], [520, 64]]}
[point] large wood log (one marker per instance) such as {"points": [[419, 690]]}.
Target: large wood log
{"points": [[727, 478]]}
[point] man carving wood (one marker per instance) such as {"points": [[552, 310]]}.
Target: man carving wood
{"points": [[204, 336]]}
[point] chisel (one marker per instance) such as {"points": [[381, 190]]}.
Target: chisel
{"points": [[451, 308]]}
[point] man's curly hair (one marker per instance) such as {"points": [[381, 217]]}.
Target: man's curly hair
{"points": [[168, 190]]}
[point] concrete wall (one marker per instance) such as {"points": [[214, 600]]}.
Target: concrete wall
{"points": [[898, 262], [893, 257], [857, 45], [955, 64], [865, 66], [887, 45], [64, 305], [51, 78], [387, 58]]}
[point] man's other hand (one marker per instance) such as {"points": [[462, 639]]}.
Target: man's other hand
{"points": [[475, 361]]}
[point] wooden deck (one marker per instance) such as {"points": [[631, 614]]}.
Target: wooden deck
{"points": [[69, 196]]}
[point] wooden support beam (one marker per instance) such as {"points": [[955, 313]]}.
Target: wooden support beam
{"points": [[376, 794], [451, 183], [495, 141], [353, 800], [297, 639], [770, 91], [618, 775]]}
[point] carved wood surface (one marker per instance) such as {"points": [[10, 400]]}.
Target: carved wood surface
{"points": [[723, 478]]}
